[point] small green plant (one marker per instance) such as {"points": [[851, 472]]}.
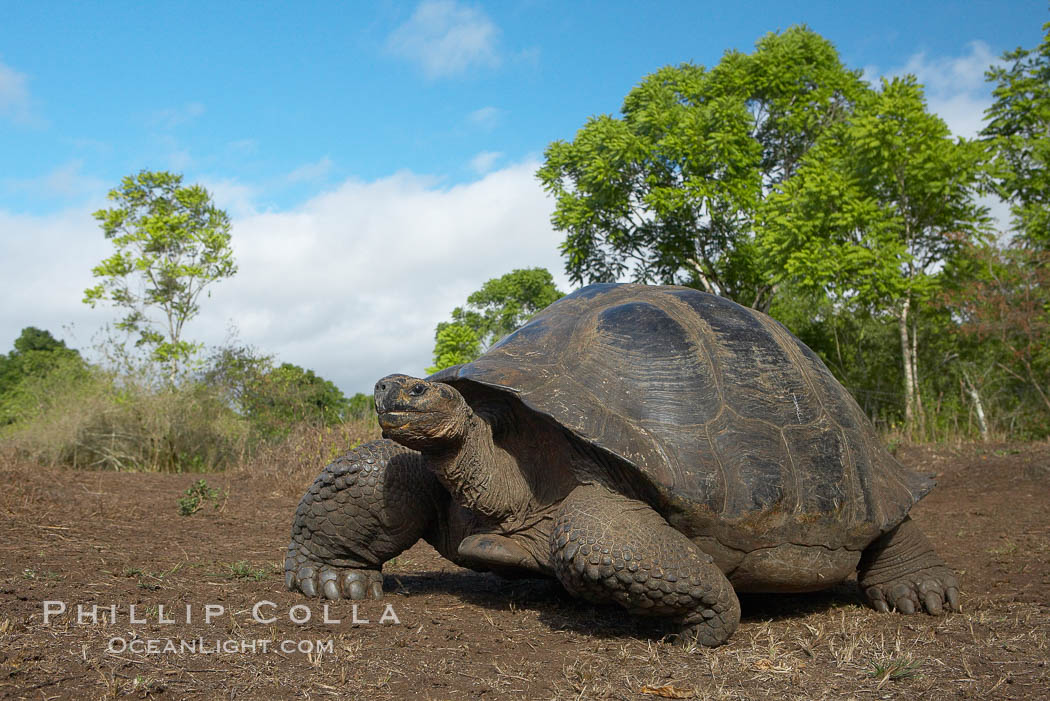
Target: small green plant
{"points": [[893, 668], [150, 581], [197, 496], [146, 686], [244, 570]]}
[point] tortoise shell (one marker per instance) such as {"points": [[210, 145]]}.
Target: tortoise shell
{"points": [[729, 425]]}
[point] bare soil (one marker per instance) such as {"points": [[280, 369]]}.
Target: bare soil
{"points": [[117, 539]]}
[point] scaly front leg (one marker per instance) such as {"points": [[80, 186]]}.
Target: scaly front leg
{"points": [[365, 508]]}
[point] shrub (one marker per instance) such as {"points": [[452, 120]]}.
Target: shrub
{"points": [[196, 496], [89, 418]]}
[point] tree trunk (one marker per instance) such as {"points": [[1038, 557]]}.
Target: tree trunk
{"points": [[978, 406], [909, 379], [708, 287], [920, 412]]}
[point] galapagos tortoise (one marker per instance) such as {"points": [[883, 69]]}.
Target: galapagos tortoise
{"points": [[655, 446]]}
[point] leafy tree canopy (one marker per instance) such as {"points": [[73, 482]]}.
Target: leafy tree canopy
{"points": [[37, 355], [878, 206], [1018, 133], [171, 243], [669, 191], [360, 406], [1001, 296], [298, 394], [455, 343], [274, 397], [36, 352], [881, 202]]}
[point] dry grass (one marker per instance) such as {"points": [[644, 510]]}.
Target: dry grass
{"points": [[299, 457]]}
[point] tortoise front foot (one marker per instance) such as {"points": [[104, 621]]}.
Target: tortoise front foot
{"points": [[606, 547], [900, 571], [364, 508], [316, 579]]}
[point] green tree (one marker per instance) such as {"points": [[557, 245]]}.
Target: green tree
{"points": [[36, 355], [274, 397], [501, 305], [171, 243], [289, 393], [854, 341], [237, 372], [876, 208], [455, 343], [34, 349], [1002, 301], [669, 191], [360, 406], [1018, 134]]}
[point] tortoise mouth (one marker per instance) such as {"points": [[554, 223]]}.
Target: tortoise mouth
{"points": [[396, 418]]}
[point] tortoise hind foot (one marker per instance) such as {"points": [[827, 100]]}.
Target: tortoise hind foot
{"points": [[900, 571], [606, 547]]}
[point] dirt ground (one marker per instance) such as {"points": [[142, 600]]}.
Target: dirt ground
{"points": [[117, 540]]}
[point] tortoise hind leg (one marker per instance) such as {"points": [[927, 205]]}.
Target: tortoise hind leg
{"points": [[606, 547], [901, 571]]}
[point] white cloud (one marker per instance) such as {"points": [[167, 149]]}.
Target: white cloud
{"points": [[171, 117], [483, 162], [486, 117], [955, 85], [64, 182], [14, 96], [45, 263], [243, 147], [311, 171], [238, 199], [446, 38], [172, 153], [870, 73], [350, 284], [179, 159]]}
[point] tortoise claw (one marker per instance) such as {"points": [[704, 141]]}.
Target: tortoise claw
{"points": [[304, 574], [934, 590]]}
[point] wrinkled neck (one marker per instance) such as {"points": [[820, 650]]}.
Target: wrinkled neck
{"points": [[481, 476]]}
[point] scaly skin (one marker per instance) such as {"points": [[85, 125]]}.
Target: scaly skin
{"points": [[365, 508], [606, 547], [901, 571]]}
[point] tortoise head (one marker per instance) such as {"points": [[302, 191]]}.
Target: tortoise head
{"points": [[427, 416]]}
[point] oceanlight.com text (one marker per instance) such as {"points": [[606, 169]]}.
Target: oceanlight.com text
{"points": [[205, 646]]}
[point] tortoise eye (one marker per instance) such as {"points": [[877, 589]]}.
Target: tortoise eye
{"points": [[418, 390]]}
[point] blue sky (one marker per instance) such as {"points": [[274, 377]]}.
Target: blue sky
{"points": [[377, 158]]}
